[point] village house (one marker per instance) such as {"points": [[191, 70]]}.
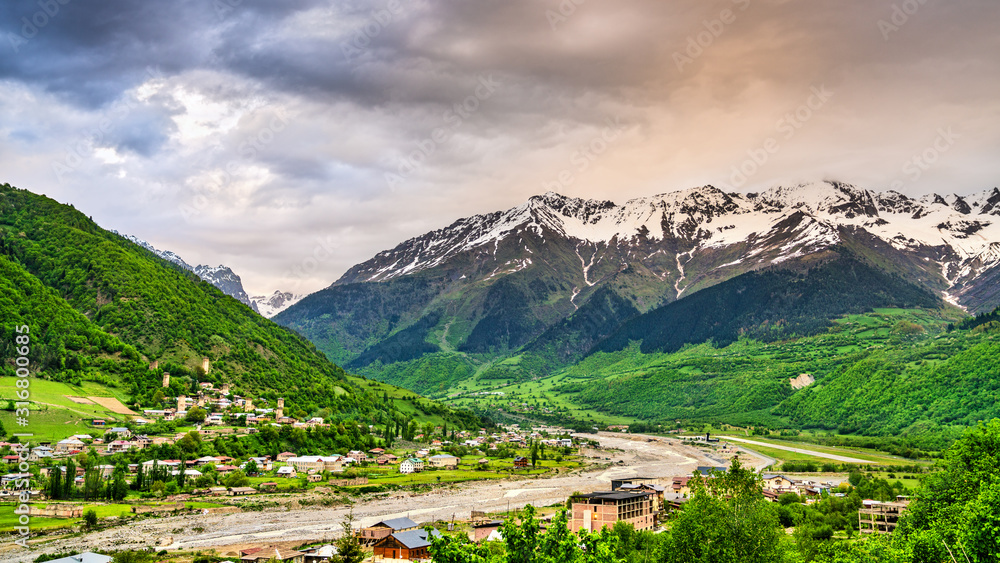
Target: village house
{"points": [[69, 445], [40, 453], [265, 554], [263, 463], [778, 483], [118, 446], [409, 545], [444, 461], [322, 554], [642, 487], [383, 529], [285, 456], [386, 459], [521, 462], [118, 433], [411, 465], [205, 460], [9, 479], [594, 511], [317, 463], [286, 471], [106, 471], [357, 456]]}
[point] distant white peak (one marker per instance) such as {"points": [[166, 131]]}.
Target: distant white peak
{"points": [[817, 196], [203, 270], [269, 306], [984, 199]]}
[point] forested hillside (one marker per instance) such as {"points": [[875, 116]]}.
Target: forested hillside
{"points": [[770, 305], [888, 373], [100, 308]]}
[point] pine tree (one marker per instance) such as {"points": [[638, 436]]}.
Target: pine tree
{"points": [[69, 480], [137, 484], [55, 483], [349, 549]]}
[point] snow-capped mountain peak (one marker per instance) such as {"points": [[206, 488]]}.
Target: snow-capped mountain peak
{"points": [[958, 233], [270, 305]]}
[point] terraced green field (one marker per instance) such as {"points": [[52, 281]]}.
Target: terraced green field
{"points": [[54, 416]]}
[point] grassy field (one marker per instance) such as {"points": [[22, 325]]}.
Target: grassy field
{"points": [[540, 394], [408, 402], [870, 456], [53, 416], [8, 520], [468, 470]]}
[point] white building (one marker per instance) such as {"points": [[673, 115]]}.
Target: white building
{"points": [[411, 465]]}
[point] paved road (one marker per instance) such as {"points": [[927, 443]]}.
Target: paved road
{"points": [[834, 457]]}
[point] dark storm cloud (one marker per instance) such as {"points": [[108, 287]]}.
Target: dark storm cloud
{"points": [[198, 163]]}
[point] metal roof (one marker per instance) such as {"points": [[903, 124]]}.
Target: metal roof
{"points": [[414, 539], [398, 523]]}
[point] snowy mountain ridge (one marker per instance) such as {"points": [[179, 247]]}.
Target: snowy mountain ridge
{"points": [[960, 235], [270, 305]]}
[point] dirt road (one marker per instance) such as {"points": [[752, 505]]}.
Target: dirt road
{"points": [[630, 456]]}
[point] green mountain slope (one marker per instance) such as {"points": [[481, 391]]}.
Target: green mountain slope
{"points": [[771, 304], [891, 373], [102, 309]]}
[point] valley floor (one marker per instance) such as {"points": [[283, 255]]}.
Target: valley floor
{"points": [[621, 456]]}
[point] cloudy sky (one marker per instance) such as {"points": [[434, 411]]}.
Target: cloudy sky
{"points": [[256, 133]]}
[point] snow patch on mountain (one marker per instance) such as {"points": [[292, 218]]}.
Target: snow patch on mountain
{"points": [[755, 229], [270, 305]]}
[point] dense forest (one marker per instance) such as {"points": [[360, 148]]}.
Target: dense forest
{"points": [[770, 305]]}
